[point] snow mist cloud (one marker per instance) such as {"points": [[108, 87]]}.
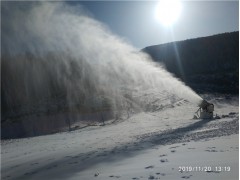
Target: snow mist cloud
{"points": [[55, 50]]}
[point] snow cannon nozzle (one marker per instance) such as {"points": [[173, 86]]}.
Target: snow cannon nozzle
{"points": [[204, 104], [205, 110]]}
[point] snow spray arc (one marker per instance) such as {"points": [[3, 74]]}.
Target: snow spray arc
{"points": [[56, 56]]}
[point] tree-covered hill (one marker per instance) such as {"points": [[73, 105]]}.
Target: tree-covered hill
{"points": [[207, 64]]}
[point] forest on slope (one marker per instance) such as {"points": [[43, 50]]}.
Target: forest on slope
{"points": [[207, 64]]}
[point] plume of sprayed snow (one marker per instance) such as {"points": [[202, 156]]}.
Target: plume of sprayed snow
{"points": [[79, 55]]}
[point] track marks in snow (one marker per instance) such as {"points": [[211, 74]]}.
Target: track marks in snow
{"points": [[113, 176], [149, 167], [186, 177], [162, 155], [163, 160]]}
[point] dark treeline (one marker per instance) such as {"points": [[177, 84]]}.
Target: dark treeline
{"points": [[28, 80], [208, 64], [40, 95]]}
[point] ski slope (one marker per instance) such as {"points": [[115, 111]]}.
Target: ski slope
{"points": [[148, 145]]}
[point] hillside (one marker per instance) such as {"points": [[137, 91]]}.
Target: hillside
{"points": [[207, 64]]}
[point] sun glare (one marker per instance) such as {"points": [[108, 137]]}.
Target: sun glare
{"points": [[168, 11]]}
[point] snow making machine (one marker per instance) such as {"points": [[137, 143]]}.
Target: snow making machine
{"points": [[205, 110]]}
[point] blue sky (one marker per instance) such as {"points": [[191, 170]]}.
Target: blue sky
{"points": [[135, 21]]}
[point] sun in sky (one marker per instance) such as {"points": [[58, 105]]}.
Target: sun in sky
{"points": [[168, 11]]}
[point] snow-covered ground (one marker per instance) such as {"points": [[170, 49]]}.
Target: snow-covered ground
{"points": [[162, 144]]}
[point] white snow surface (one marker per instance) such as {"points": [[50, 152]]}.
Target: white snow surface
{"points": [[148, 145]]}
